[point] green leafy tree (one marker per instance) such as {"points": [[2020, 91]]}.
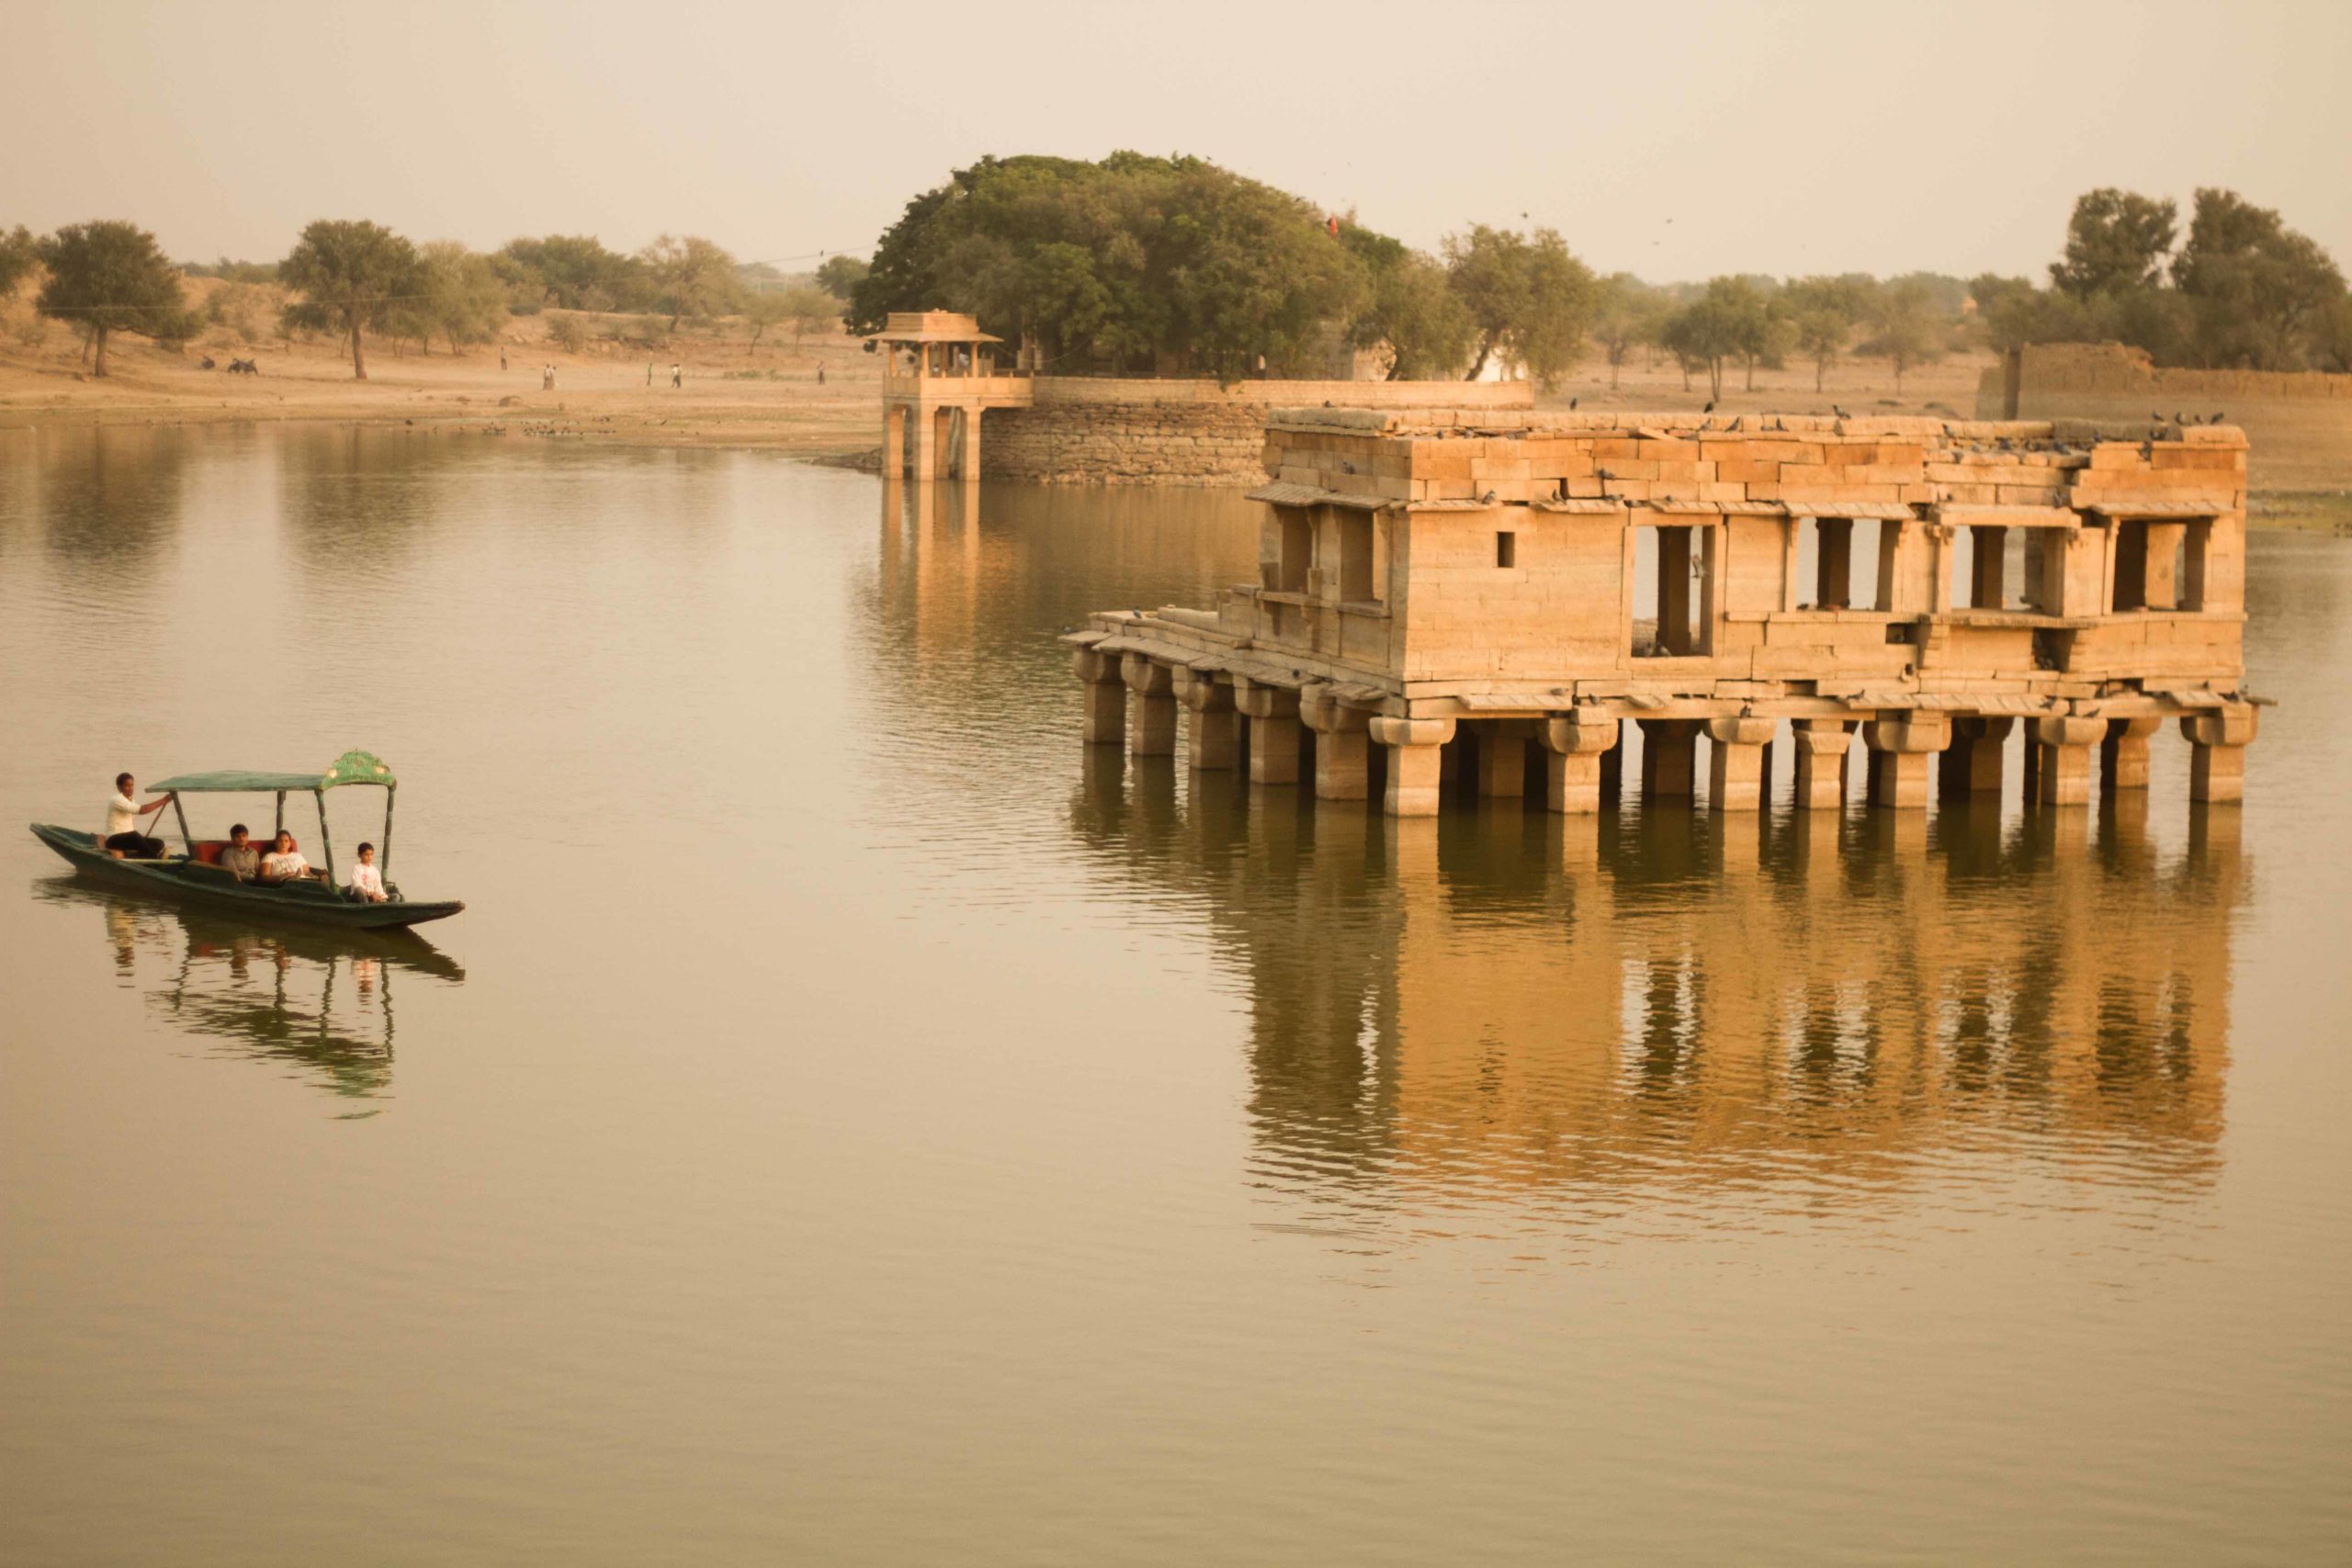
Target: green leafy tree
{"points": [[110, 276], [463, 299], [573, 272], [1171, 261], [1626, 312], [763, 309], [2116, 241], [354, 276], [809, 308], [840, 276], [2255, 287], [19, 254], [1704, 334], [1823, 313], [1529, 297], [691, 277], [1908, 326], [1409, 308]]}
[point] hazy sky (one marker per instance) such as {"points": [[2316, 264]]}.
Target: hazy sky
{"points": [[1674, 139]]}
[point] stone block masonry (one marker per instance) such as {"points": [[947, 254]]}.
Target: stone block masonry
{"points": [[1087, 431], [1455, 586]]}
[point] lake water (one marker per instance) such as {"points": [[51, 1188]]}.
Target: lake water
{"points": [[851, 1125]]}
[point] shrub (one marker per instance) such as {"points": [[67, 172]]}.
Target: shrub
{"points": [[568, 332]]}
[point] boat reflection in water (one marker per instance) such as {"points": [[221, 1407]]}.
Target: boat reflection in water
{"points": [[1516, 1015], [318, 1003]]}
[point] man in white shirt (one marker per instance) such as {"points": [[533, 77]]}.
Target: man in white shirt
{"points": [[123, 837]]}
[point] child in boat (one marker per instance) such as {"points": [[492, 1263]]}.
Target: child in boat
{"points": [[285, 863], [367, 882]]}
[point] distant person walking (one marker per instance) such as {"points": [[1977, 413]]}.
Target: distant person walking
{"points": [[649, 372], [677, 375], [821, 375], [502, 356], [546, 378]]}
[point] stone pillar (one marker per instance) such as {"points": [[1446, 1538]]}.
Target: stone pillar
{"points": [[1415, 756], [926, 444], [894, 441], [1574, 749], [1502, 759], [1670, 758], [2124, 755], [2217, 757], [1213, 733], [1342, 746], [1154, 732], [1973, 765], [1899, 751], [2063, 771], [1613, 777], [1821, 762], [968, 464], [944, 443], [1106, 719], [1736, 763], [1273, 730]]}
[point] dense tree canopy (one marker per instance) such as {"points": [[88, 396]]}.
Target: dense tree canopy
{"points": [[691, 277], [1529, 297], [837, 276], [1170, 262], [573, 272], [354, 276], [2255, 287], [110, 276], [2115, 241]]}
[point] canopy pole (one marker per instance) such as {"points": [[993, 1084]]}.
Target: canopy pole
{"points": [[281, 817], [181, 812], [326, 844], [384, 855]]}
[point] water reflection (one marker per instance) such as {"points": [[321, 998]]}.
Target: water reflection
{"points": [[318, 1003], [1502, 1005]]}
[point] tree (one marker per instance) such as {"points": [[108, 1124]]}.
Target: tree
{"points": [[462, 297], [2116, 241], [809, 309], [762, 309], [1822, 315], [1409, 308], [1704, 334], [1528, 297], [691, 277], [1906, 328], [574, 272], [110, 276], [352, 274], [840, 276], [1174, 261], [2255, 287], [1625, 311], [20, 252]]}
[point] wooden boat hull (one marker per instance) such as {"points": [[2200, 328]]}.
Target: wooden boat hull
{"points": [[180, 878]]}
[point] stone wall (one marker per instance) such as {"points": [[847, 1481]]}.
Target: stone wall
{"points": [[2298, 424], [1091, 431]]}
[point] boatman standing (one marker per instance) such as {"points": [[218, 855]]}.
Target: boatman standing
{"points": [[123, 812]]}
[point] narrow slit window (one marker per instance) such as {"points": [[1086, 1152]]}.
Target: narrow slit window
{"points": [[1506, 550]]}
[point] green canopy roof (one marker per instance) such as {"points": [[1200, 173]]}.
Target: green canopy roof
{"points": [[351, 768]]}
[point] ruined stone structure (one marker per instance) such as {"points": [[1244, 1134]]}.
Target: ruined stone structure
{"points": [[1091, 430], [2298, 424], [939, 377], [1487, 588], [942, 375]]}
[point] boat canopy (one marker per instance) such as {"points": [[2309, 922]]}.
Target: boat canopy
{"points": [[351, 768]]}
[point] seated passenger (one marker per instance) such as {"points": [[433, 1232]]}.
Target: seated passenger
{"points": [[241, 860], [367, 882], [284, 863]]}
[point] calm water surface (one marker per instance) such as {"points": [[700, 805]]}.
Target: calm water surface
{"points": [[852, 1125]]}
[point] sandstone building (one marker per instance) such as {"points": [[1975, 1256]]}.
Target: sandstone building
{"points": [[1487, 588]]}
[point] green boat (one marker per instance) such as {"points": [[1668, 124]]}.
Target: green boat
{"points": [[195, 872]]}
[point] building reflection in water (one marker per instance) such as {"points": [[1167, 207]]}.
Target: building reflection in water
{"points": [[1500, 1005], [318, 1004]]}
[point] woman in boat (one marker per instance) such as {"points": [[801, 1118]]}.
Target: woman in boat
{"points": [[284, 863]]}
